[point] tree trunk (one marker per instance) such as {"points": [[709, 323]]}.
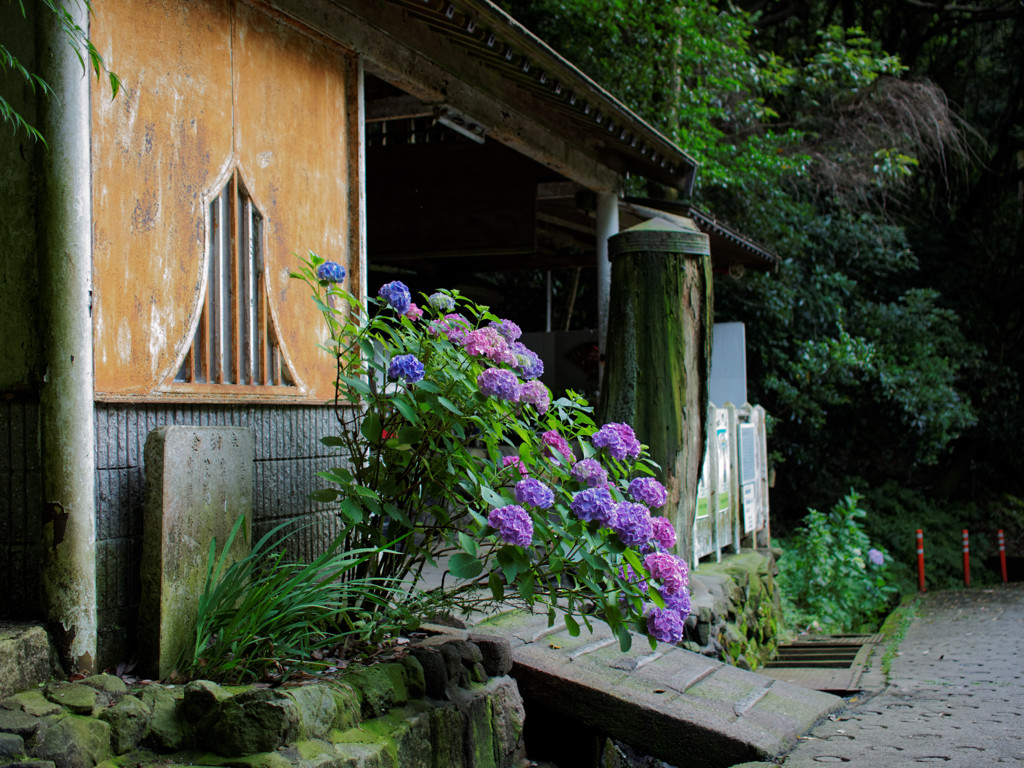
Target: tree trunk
{"points": [[659, 354]]}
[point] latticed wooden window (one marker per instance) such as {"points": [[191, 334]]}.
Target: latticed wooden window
{"points": [[235, 342]]}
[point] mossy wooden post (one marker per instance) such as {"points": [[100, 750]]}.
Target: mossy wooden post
{"points": [[658, 359]]}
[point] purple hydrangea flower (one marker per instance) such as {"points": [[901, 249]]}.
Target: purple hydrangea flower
{"points": [[500, 383], [330, 272], [516, 462], [664, 533], [679, 603], [405, 367], [535, 493], [633, 524], [559, 443], [670, 570], [489, 343], [454, 327], [590, 473], [509, 330], [649, 491], [397, 295], [536, 394], [619, 439], [593, 504], [513, 524], [876, 557], [665, 625], [527, 363], [441, 301]]}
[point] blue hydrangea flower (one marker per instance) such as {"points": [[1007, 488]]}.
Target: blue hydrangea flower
{"points": [[441, 301], [679, 603], [593, 504], [397, 295], [330, 272], [500, 383], [619, 440], [527, 363], [533, 492], [513, 524], [405, 367], [649, 491], [633, 523], [665, 625], [590, 473], [876, 557], [509, 330]]}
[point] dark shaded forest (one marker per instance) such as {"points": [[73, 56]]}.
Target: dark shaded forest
{"points": [[878, 149]]}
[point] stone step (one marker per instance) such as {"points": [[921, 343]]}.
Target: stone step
{"points": [[670, 703]]}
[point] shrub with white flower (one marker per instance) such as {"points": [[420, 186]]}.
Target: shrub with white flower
{"points": [[451, 450]]}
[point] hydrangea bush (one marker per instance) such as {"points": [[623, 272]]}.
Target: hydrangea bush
{"points": [[445, 430]]}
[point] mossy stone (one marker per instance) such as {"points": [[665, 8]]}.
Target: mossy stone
{"points": [[317, 709], [375, 688], [129, 722], [259, 720], [80, 699], [415, 681], [110, 684], [31, 703], [74, 742]]}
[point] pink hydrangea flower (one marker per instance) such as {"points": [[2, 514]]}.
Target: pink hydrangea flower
{"points": [[559, 443]]}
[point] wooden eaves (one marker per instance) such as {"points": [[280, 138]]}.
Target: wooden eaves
{"points": [[472, 58]]}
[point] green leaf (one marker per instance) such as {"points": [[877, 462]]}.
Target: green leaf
{"points": [[333, 441], [497, 587], [449, 405], [526, 587], [572, 625], [325, 495], [625, 639], [509, 564], [410, 435], [407, 409], [491, 497], [371, 427], [467, 543], [464, 566]]}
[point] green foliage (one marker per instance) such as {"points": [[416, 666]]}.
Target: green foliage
{"points": [[435, 456], [77, 38], [263, 613], [689, 69], [829, 576]]}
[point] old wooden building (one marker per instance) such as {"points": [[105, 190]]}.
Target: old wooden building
{"points": [[146, 249]]}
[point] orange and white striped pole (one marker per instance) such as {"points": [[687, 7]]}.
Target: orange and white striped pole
{"points": [[967, 560], [920, 560], [1002, 555]]}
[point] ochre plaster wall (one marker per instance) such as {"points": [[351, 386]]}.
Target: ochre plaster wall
{"points": [[211, 86]]}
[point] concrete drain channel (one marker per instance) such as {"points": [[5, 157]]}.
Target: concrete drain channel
{"points": [[831, 663]]}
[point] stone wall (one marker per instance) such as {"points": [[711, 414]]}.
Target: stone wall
{"points": [[288, 454], [446, 703], [736, 609]]}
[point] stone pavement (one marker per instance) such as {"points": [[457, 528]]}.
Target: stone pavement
{"points": [[670, 703], [955, 693]]}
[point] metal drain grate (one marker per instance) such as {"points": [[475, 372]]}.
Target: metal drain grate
{"points": [[828, 663]]}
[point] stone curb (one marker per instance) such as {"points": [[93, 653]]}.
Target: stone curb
{"points": [[448, 712]]}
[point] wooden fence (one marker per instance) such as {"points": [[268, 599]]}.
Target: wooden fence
{"points": [[732, 496]]}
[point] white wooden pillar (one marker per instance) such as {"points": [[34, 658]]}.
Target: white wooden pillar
{"points": [[607, 225], [66, 398]]}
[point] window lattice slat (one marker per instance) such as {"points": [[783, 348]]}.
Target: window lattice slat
{"points": [[235, 343]]}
